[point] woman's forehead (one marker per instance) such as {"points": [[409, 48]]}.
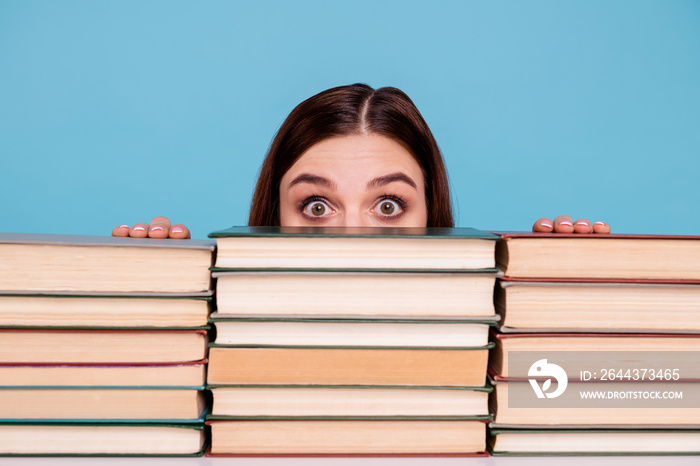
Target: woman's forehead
{"points": [[369, 153]]}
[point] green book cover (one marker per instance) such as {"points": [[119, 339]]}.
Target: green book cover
{"points": [[365, 249], [349, 418], [215, 317], [358, 347], [485, 388], [367, 232]]}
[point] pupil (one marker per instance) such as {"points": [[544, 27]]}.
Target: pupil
{"points": [[387, 208], [318, 209]]}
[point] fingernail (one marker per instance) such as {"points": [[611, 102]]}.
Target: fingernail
{"points": [[567, 223], [139, 228], [123, 226], [546, 224], [176, 230], [585, 224], [156, 228], [600, 223]]}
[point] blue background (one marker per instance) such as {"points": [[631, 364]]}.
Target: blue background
{"points": [[116, 111]]}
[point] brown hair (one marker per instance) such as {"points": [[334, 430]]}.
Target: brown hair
{"points": [[347, 110]]}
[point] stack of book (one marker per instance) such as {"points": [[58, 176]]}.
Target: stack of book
{"points": [[598, 350], [351, 341], [102, 345]]}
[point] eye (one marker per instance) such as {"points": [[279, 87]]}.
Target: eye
{"points": [[390, 206], [315, 208]]}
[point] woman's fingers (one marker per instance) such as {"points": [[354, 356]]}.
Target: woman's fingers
{"points": [[565, 224], [601, 227], [159, 228], [583, 226], [179, 231], [543, 225], [121, 231], [140, 230]]}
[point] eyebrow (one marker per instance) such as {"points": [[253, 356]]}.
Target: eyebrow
{"points": [[313, 179], [386, 179], [377, 182]]}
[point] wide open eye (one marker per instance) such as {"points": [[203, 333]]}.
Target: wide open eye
{"points": [[316, 208], [389, 207]]}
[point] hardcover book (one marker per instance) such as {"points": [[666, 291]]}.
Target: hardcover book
{"points": [[354, 248], [465, 367], [101, 346], [89, 311], [514, 405], [104, 439], [32, 375], [348, 402], [577, 352], [367, 294], [529, 305], [44, 263], [350, 332], [625, 257], [347, 437], [593, 442], [135, 404]]}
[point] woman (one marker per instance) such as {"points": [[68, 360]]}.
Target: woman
{"points": [[353, 156]]}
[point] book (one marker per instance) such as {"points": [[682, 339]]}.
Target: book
{"points": [[178, 374], [347, 332], [593, 442], [354, 248], [101, 404], [101, 346], [604, 354], [347, 366], [279, 402], [597, 306], [113, 439], [44, 263], [347, 437], [368, 294], [351, 341], [514, 405], [625, 257], [103, 311]]}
